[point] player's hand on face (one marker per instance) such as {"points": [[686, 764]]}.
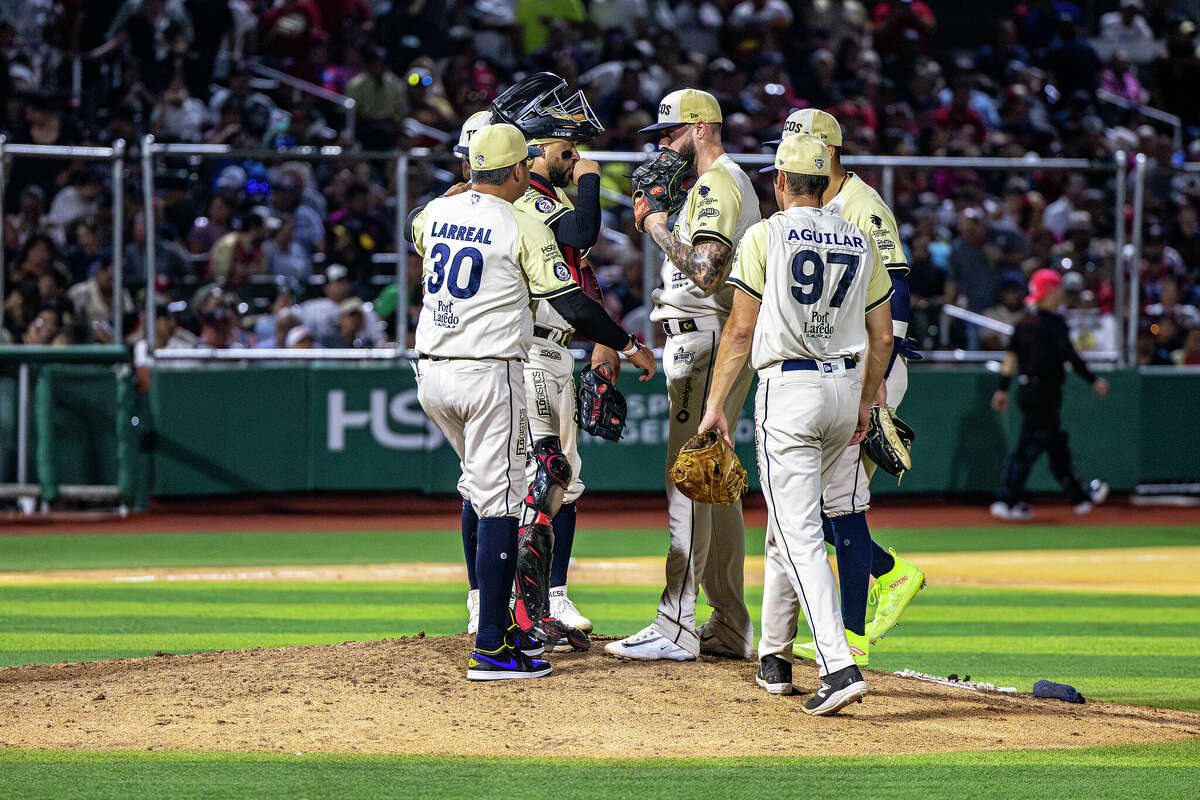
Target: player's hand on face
{"points": [[714, 420], [585, 166], [864, 422], [643, 359], [1100, 387], [457, 188], [1000, 401]]}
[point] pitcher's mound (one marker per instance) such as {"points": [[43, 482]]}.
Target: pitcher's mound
{"points": [[411, 696]]}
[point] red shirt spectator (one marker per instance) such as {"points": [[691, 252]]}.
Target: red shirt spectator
{"points": [[958, 114], [290, 27], [336, 13]]}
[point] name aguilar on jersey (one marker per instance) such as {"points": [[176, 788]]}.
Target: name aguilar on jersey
{"points": [[819, 237]]}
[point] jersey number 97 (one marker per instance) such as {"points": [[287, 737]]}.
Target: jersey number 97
{"points": [[441, 255], [812, 284]]}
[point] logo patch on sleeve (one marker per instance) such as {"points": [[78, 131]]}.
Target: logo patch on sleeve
{"points": [[544, 205], [704, 190], [560, 270]]}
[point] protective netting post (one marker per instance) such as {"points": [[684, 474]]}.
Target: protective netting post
{"points": [[43, 415], [126, 434]]}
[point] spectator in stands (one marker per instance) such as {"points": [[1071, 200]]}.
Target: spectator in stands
{"points": [[207, 230], [300, 338], [287, 257], [179, 117], [240, 254], [171, 263], [289, 28], [381, 102], [29, 220], [92, 302], [351, 326], [1126, 29], [241, 106], [1189, 354], [44, 327], [84, 245], [357, 231], [1160, 262], [1058, 212], [974, 279], [958, 115], [80, 199], [993, 59], [321, 315], [1008, 311], [1090, 328], [1119, 79], [1185, 238], [309, 230], [1072, 59], [158, 33]]}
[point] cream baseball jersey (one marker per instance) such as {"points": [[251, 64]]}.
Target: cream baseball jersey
{"points": [[863, 206], [722, 205], [547, 204], [816, 276], [484, 260]]}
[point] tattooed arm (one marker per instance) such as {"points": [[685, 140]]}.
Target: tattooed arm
{"points": [[705, 262]]}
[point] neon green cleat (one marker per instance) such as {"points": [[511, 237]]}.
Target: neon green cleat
{"points": [[896, 590], [860, 647]]}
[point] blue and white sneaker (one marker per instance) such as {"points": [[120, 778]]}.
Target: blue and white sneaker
{"points": [[504, 664], [648, 645]]}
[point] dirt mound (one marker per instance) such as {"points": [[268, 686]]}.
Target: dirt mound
{"points": [[411, 696]]}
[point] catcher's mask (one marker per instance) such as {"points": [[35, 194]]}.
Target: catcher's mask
{"points": [[541, 108]]}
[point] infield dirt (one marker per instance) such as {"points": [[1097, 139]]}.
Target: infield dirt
{"points": [[410, 695]]}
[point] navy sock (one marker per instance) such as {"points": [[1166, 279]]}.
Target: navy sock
{"points": [[882, 562], [853, 542], [470, 522], [564, 537], [496, 565]]}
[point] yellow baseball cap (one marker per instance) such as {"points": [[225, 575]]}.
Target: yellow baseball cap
{"points": [[499, 146], [812, 121], [469, 129], [801, 154], [685, 106]]}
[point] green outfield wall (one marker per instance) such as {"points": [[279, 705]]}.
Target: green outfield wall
{"points": [[326, 426]]}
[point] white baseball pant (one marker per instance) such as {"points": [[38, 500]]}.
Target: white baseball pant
{"points": [[803, 420], [479, 406], [708, 542]]}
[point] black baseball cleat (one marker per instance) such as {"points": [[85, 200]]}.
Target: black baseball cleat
{"points": [[525, 641], [559, 636], [774, 675], [838, 690], [504, 664]]}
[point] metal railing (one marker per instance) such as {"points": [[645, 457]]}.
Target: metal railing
{"points": [[347, 104], [1149, 112]]}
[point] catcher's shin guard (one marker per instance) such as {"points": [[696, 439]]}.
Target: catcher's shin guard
{"points": [[535, 542]]}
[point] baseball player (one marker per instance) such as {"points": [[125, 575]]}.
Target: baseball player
{"points": [[555, 124], [811, 314], [708, 543], [848, 493], [484, 263]]}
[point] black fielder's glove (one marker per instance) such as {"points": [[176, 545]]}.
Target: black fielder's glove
{"points": [[660, 185], [889, 442], [600, 406]]}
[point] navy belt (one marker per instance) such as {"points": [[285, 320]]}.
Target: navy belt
{"points": [[801, 364], [549, 334]]}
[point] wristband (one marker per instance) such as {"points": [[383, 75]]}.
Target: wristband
{"points": [[632, 349], [899, 329], [1005, 382]]}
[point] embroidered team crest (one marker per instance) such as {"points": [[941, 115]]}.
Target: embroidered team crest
{"points": [[474, 198], [544, 205], [876, 221], [819, 163], [560, 269], [479, 159], [704, 191]]}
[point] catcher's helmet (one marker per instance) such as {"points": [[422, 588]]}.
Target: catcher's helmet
{"points": [[539, 106]]}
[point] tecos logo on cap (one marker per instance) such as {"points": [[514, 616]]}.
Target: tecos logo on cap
{"points": [[664, 110], [791, 126]]}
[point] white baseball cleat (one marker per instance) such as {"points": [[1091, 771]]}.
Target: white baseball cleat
{"points": [[473, 611], [1097, 494], [562, 609], [648, 645], [1018, 513]]}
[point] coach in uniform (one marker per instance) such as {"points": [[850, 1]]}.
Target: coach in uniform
{"points": [[708, 543], [484, 261], [848, 495], [810, 310], [1039, 345]]}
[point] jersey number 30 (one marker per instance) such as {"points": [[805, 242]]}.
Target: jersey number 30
{"points": [[440, 255], [812, 284]]}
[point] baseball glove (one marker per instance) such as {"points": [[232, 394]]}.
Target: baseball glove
{"points": [[889, 442], [600, 406], [708, 471], [660, 185]]}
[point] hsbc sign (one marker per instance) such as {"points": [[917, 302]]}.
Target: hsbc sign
{"points": [[395, 421]]}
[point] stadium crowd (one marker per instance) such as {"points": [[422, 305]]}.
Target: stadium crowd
{"points": [[254, 251]]}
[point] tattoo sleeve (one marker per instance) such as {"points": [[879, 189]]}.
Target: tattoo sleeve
{"points": [[704, 263]]}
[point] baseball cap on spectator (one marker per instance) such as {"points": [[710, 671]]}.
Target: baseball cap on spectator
{"points": [[1012, 279], [1042, 283], [1079, 220], [351, 305], [499, 146], [297, 335], [683, 107], [802, 154], [1072, 283], [336, 272], [469, 129], [231, 179], [269, 220], [814, 122]]}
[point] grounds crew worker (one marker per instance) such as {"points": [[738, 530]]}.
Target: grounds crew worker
{"points": [[811, 313], [484, 263], [1036, 352], [708, 543]]}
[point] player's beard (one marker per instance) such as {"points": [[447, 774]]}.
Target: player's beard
{"points": [[561, 173], [687, 149]]}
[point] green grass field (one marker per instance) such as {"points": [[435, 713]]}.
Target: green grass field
{"points": [[1140, 649]]}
